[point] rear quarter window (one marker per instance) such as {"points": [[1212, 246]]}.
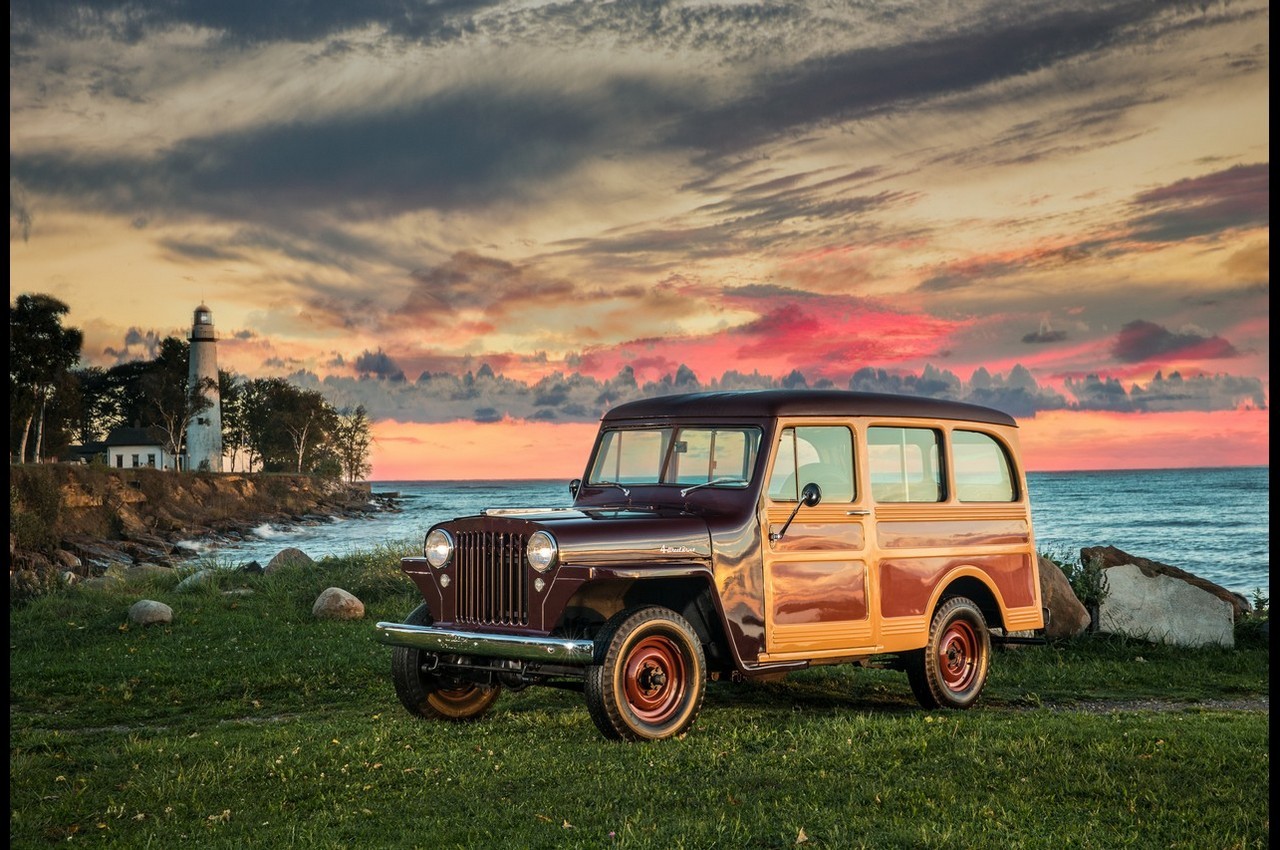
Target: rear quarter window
{"points": [[982, 468]]}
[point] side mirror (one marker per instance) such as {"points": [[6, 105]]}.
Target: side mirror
{"points": [[574, 486], [810, 495]]}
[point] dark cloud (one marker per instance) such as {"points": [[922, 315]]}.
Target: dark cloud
{"points": [[868, 81], [458, 150], [243, 21], [470, 281], [1044, 335], [378, 365], [1139, 341], [181, 250], [1202, 206]]}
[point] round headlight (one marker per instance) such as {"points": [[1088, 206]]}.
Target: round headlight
{"points": [[541, 551], [438, 547]]}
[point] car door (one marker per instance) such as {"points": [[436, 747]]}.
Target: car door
{"points": [[816, 576]]}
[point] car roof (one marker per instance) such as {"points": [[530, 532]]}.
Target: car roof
{"points": [[774, 403]]}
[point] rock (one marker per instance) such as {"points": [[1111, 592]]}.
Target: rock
{"points": [[289, 558], [252, 567], [1067, 615], [195, 581], [146, 612], [69, 578], [64, 558], [97, 553], [1110, 556], [142, 572], [239, 591], [1163, 609], [336, 604]]}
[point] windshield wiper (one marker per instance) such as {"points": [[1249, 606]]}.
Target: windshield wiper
{"points": [[687, 490], [624, 490]]}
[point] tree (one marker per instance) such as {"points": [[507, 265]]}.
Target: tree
{"points": [[308, 420], [41, 353], [99, 409], [234, 437], [351, 442], [286, 428]]}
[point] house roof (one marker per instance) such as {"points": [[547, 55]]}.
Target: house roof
{"points": [[125, 436]]}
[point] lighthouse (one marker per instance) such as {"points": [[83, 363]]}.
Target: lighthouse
{"points": [[204, 430]]}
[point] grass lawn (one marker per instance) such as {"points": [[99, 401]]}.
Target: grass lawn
{"points": [[247, 723]]}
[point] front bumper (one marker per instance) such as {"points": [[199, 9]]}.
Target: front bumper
{"points": [[450, 642]]}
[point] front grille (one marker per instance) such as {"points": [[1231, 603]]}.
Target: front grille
{"points": [[491, 579]]}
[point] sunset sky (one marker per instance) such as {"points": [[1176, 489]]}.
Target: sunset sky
{"points": [[488, 222]]}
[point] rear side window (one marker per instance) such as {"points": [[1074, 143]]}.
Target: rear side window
{"points": [[821, 455], [983, 471], [904, 464]]}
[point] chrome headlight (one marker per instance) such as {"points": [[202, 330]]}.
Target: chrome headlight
{"points": [[438, 547], [541, 551]]}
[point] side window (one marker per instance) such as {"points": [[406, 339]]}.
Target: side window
{"points": [[983, 471], [822, 455], [904, 464]]}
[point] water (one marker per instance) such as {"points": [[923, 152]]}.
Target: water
{"points": [[1210, 522]]}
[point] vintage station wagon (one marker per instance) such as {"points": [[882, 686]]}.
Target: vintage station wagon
{"points": [[737, 535]]}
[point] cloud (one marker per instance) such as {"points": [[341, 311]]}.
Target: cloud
{"points": [[1166, 394], [1237, 197], [488, 397], [1139, 341], [377, 364]]}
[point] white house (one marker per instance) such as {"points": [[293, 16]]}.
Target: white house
{"points": [[128, 448]]}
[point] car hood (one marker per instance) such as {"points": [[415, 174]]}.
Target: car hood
{"points": [[603, 536]]}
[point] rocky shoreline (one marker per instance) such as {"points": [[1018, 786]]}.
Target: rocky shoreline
{"points": [[98, 554], [84, 520]]}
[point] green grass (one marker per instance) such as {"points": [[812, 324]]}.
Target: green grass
{"points": [[247, 723]]}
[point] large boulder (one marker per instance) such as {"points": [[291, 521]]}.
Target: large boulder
{"points": [[1110, 556], [1163, 609], [337, 604], [1067, 615]]}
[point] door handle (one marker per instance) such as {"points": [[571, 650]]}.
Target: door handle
{"points": [[857, 513]]}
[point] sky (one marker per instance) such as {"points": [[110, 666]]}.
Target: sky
{"points": [[489, 222]]}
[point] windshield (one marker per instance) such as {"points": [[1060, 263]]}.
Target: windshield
{"points": [[669, 455]]}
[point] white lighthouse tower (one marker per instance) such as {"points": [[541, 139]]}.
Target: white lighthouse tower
{"points": [[204, 431]]}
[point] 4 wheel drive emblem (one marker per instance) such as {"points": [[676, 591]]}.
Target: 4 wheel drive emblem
{"points": [[675, 550]]}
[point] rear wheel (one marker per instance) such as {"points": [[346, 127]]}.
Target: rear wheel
{"points": [[432, 695], [951, 671], [652, 676]]}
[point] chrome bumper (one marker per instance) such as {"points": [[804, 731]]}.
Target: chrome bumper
{"points": [[449, 642]]}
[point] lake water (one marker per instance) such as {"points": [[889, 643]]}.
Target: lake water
{"points": [[1210, 522]]}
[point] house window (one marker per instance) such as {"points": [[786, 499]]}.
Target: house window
{"points": [[151, 461], [119, 461], [135, 462]]}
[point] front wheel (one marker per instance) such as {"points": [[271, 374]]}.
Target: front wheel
{"points": [[651, 679], [951, 671], [432, 695]]}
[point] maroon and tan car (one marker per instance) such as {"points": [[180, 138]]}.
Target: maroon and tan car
{"points": [[736, 535]]}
